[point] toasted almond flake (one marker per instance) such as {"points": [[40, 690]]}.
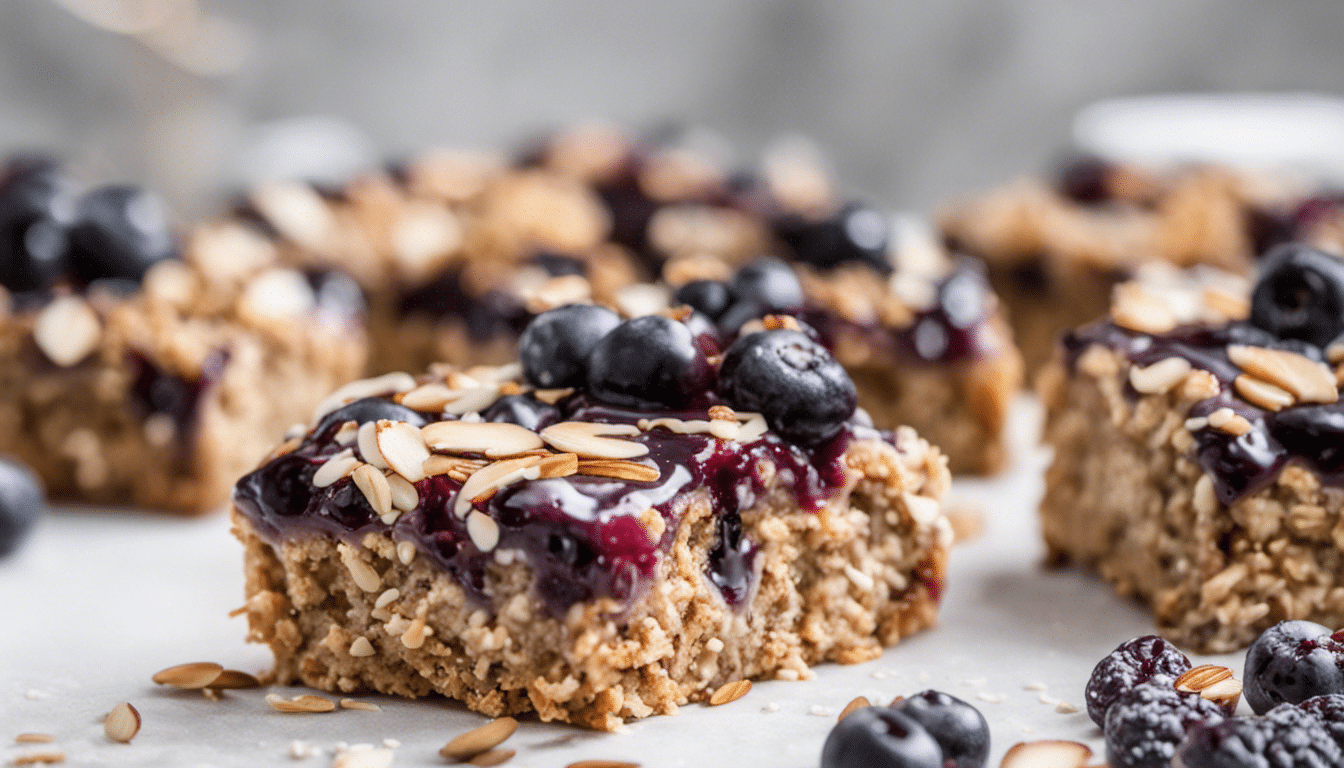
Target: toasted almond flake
{"points": [[366, 706], [34, 738], [379, 386], [683, 426], [339, 466], [860, 579], [1160, 377], [122, 723], [752, 429], [1196, 423], [493, 757], [1306, 379], [403, 449], [1220, 417], [197, 674], [480, 740], [373, 484], [451, 465], [621, 470], [730, 692], [594, 440], [485, 481], [602, 764], [494, 439], [1335, 352], [859, 702], [405, 552], [725, 430], [1047, 754], [387, 598], [717, 412], [363, 574], [430, 397], [67, 330], [474, 400], [34, 758], [233, 679], [558, 465], [483, 530], [1211, 682], [347, 433], [1136, 309], [415, 635], [367, 442], [1065, 708], [1205, 497], [305, 703], [361, 648], [404, 495], [552, 396], [1262, 393], [1226, 692]]}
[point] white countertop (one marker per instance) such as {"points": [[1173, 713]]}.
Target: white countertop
{"points": [[95, 603]]}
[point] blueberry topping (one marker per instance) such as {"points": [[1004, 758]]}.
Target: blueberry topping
{"points": [[120, 231], [764, 287], [804, 394], [1086, 180], [365, 410], [855, 234], [1291, 662], [878, 737], [21, 502], [709, 297], [524, 410], [1286, 737], [1132, 663], [963, 298], [1329, 709], [1144, 726], [649, 362], [554, 348], [36, 205], [1300, 295], [958, 727]]}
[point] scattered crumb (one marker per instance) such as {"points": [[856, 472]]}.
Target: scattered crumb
{"points": [[1035, 685], [1047, 699], [879, 675], [34, 738], [770, 707], [301, 750], [391, 743], [977, 681], [36, 695], [45, 758], [821, 711], [924, 676], [1028, 730], [992, 698], [1065, 708]]}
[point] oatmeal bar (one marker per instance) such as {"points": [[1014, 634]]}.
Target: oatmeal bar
{"points": [[586, 552], [131, 375], [1196, 451], [1054, 252], [457, 252]]}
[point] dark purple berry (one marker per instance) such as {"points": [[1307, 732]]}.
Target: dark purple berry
{"points": [[1291, 662], [21, 503], [560, 264], [649, 362], [363, 411], [1329, 709], [855, 234], [1286, 737], [958, 727], [1144, 726], [1086, 180], [804, 394], [963, 297], [120, 231], [338, 297], [764, 287], [878, 737], [709, 297], [523, 410], [1131, 664], [555, 346], [36, 205], [1300, 295]]}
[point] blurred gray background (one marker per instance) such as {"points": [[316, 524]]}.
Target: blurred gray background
{"points": [[913, 100]]}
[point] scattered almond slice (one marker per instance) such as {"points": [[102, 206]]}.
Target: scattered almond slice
{"points": [[366, 706], [480, 740], [34, 738], [1212, 682], [197, 674], [1047, 754], [373, 484], [621, 470], [1306, 379], [430, 398], [403, 448], [858, 703], [122, 723], [493, 757], [339, 466], [593, 440], [602, 764], [386, 384], [558, 465], [730, 692], [490, 478], [305, 703], [474, 400], [494, 439], [232, 679], [35, 758]]}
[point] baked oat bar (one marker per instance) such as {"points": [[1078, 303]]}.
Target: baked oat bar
{"points": [[1055, 250], [132, 375], [1196, 439], [649, 526], [457, 252]]}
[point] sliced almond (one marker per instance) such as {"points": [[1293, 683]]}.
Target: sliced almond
{"points": [[594, 440], [233, 679], [858, 703], [437, 464], [480, 740], [367, 442], [1307, 380], [197, 674], [122, 723], [403, 448], [485, 481], [1262, 393], [474, 400], [494, 439], [305, 703], [621, 470], [1212, 682], [362, 648], [558, 465], [366, 706], [493, 757], [430, 398], [45, 758], [730, 692], [753, 429], [1160, 377], [1047, 754], [553, 396], [338, 467], [386, 384], [67, 330], [34, 738], [483, 530], [363, 574], [347, 433], [404, 495], [373, 484], [602, 764]]}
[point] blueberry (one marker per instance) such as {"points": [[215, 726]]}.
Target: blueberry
{"points": [[555, 346], [1291, 662], [962, 297], [523, 410], [767, 286], [1086, 180], [36, 205], [958, 727], [1300, 295], [709, 297], [337, 295], [1144, 726], [363, 411], [804, 394], [878, 737], [1286, 737], [120, 231], [1329, 710], [1132, 663], [855, 234], [649, 362], [21, 502]]}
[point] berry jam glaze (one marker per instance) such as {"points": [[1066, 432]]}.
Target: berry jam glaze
{"points": [[1312, 435], [178, 397], [582, 535]]}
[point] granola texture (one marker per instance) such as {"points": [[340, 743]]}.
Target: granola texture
{"points": [[834, 585]]}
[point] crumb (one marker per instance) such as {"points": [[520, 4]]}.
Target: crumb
{"points": [[820, 711], [1035, 685], [1065, 708], [770, 707], [992, 698]]}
